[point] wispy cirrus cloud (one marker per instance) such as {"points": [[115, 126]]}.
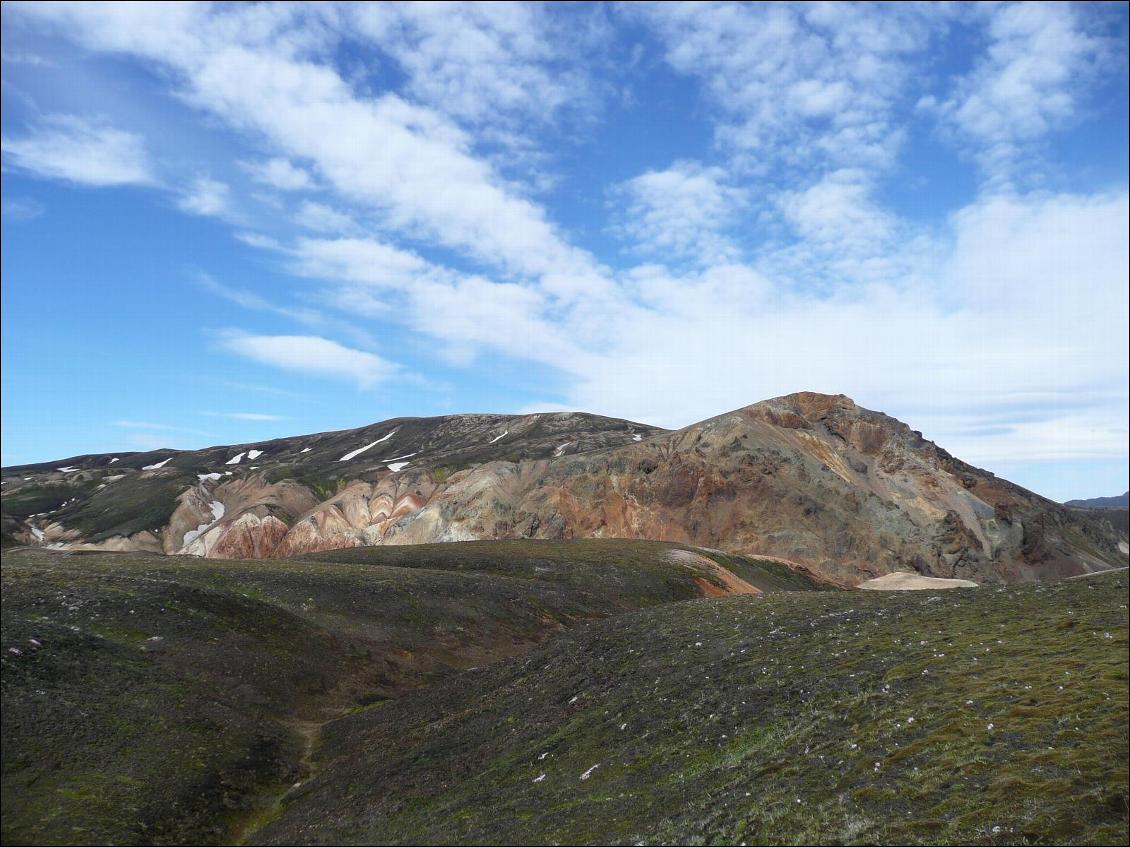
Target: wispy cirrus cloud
{"points": [[80, 150], [311, 355]]}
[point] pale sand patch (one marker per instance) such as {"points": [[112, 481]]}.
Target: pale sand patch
{"points": [[902, 581]]}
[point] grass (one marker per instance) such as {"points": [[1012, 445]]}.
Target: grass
{"points": [[984, 716]]}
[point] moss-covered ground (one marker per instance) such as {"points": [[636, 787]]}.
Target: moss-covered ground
{"points": [[151, 699], [981, 716]]}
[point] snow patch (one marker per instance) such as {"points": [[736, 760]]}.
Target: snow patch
{"points": [[234, 460], [204, 476], [396, 467], [157, 465], [304, 450], [560, 451], [355, 453], [193, 534], [67, 469], [254, 454], [217, 512], [37, 532], [113, 460], [497, 437], [637, 437]]}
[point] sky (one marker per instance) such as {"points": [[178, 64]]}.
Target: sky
{"points": [[223, 224]]}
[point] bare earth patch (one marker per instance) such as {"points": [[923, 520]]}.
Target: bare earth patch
{"points": [[724, 582], [902, 581]]}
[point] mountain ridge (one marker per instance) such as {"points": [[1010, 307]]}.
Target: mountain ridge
{"points": [[1121, 501], [809, 478]]}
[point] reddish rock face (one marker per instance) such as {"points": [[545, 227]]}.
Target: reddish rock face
{"points": [[250, 537], [810, 478]]}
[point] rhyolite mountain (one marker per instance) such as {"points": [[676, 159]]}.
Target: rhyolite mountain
{"points": [[809, 478]]}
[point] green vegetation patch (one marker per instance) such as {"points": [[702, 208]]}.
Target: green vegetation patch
{"points": [[984, 716]]}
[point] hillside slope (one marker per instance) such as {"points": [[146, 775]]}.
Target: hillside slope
{"points": [[979, 716], [148, 699], [810, 478]]}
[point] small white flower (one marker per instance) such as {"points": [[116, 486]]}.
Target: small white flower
{"points": [[989, 727]]}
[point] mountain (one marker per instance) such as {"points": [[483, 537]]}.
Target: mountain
{"points": [[811, 479], [1120, 502]]}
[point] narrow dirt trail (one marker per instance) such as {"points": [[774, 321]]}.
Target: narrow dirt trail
{"points": [[271, 805]]}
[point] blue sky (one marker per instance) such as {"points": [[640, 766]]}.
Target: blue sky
{"points": [[229, 223]]}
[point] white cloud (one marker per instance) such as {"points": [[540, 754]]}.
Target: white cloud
{"points": [[486, 64], [409, 164], [1031, 81], [1025, 314], [322, 218], [680, 214], [207, 197], [281, 174], [799, 84], [80, 150], [311, 355]]}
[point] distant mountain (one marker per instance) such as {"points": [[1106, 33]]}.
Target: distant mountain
{"points": [[812, 479], [1120, 502]]}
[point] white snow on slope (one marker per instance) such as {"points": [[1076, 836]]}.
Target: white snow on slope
{"points": [[37, 532], [234, 460], [304, 450], [193, 534], [497, 437], [157, 465], [387, 437], [355, 453], [560, 451], [204, 476], [397, 466], [217, 512], [67, 469], [254, 454], [637, 437], [113, 460]]}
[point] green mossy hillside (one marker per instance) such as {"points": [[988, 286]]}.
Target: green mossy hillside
{"points": [[983, 716]]}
